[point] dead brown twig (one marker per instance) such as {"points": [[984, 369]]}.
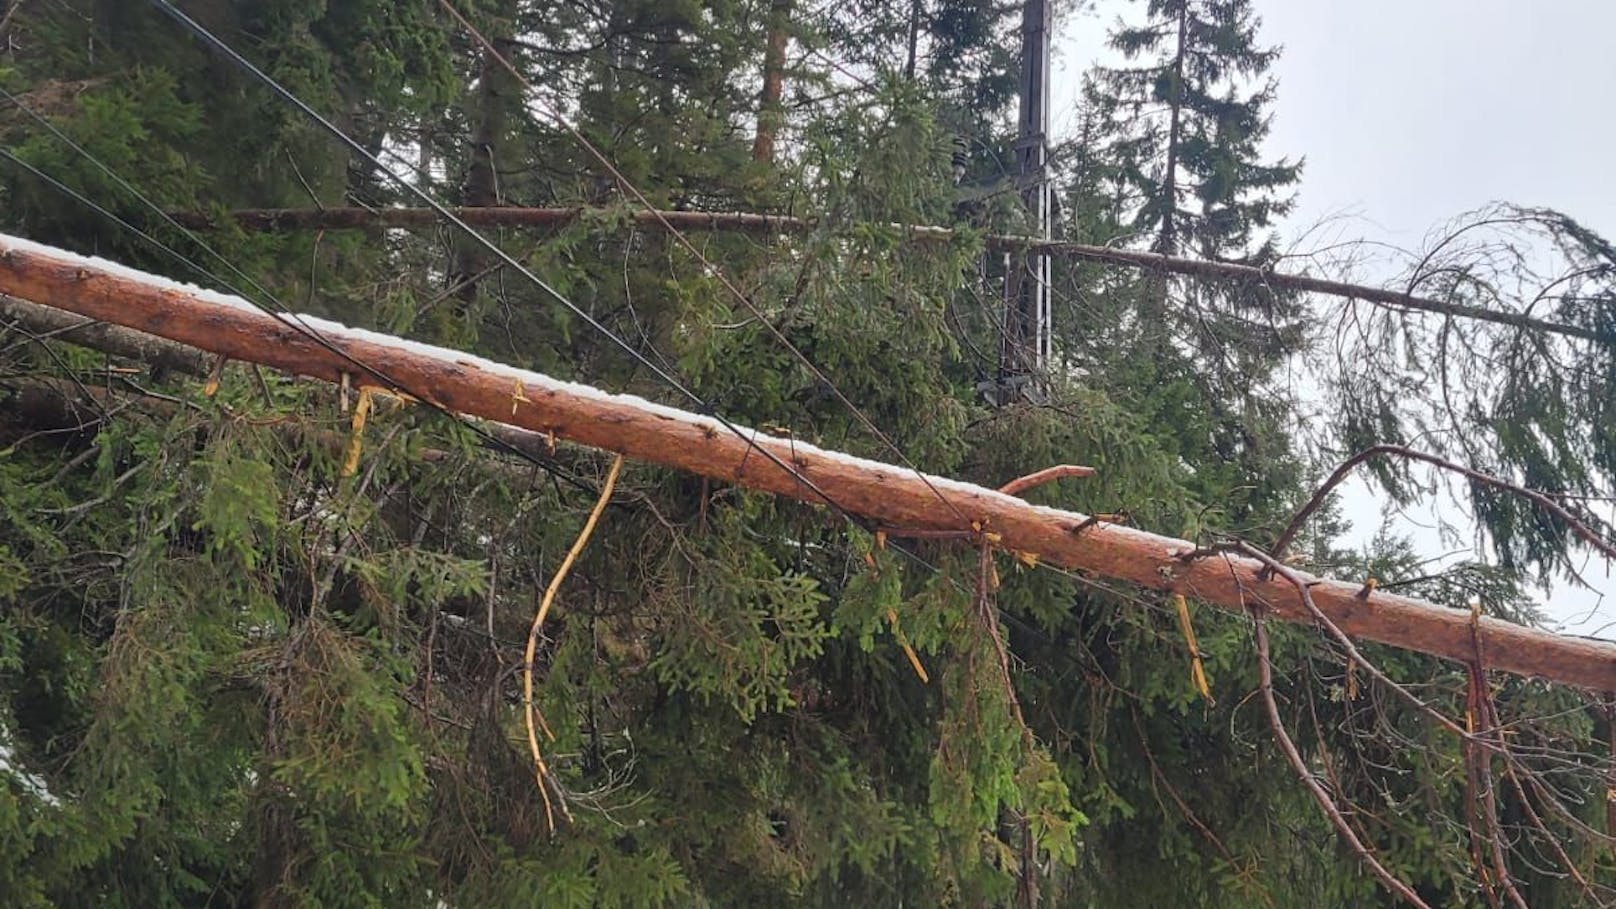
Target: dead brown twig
{"points": [[1265, 684]]}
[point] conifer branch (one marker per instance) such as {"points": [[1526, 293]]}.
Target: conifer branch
{"points": [[1543, 501]]}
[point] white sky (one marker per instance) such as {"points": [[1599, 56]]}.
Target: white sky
{"points": [[1411, 112]]}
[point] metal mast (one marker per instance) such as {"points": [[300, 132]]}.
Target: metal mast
{"points": [[1024, 356]]}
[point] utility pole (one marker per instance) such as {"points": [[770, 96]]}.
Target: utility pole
{"points": [[1024, 354]]}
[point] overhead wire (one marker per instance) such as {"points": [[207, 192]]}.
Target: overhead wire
{"points": [[443, 212], [684, 241], [278, 311]]}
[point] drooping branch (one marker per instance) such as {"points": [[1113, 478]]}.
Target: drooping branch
{"points": [[883, 494], [1582, 530], [761, 224], [1265, 686]]}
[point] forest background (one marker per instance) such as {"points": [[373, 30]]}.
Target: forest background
{"points": [[241, 666], [1484, 102]]}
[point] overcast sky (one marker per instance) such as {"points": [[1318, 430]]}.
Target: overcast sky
{"points": [[1411, 112]]}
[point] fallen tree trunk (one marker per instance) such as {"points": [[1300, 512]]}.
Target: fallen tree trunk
{"points": [[290, 219], [270, 220], [44, 321], [50, 323], [889, 495]]}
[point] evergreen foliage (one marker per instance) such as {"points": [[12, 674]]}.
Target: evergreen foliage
{"points": [[1189, 131], [233, 673]]}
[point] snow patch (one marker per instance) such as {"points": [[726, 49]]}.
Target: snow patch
{"points": [[530, 381], [32, 783], [539, 382], [10, 244]]}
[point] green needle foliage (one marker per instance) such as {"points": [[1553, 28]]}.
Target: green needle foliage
{"points": [[233, 673]]}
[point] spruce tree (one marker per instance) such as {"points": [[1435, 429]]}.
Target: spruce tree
{"points": [[1182, 124], [233, 672], [1188, 123], [1169, 160]]}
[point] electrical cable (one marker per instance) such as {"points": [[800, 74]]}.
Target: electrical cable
{"points": [[230, 53], [219, 45], [282, 314], [684, 241], [444, 213]]}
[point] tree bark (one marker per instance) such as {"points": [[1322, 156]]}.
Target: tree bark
{"points": [[1154, 305], [770, 114], [913, 57], [163, 354], [890, 496], [497, 92]]}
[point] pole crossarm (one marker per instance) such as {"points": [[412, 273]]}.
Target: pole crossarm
{"points": [[295, 219], [888, 495]]}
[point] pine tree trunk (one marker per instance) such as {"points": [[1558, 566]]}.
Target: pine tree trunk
{"points": [[1155, 303], [1167, 242], [770, 114], [497, 93], [914, 39]]}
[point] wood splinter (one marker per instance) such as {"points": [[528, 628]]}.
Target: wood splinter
{"points": [[1047, 475]]}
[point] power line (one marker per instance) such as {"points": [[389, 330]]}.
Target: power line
{"points": [[443, 212], [202, 33], [723, 279], [279, 311], [219, 45]]}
